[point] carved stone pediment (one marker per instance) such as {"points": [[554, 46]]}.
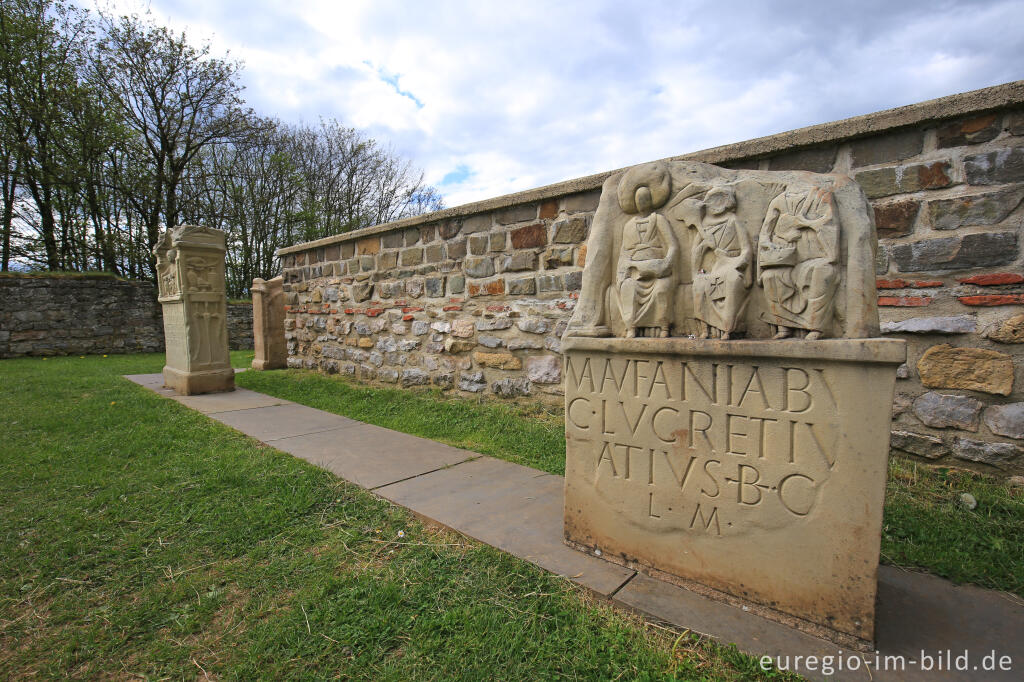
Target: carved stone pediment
{"points": [[197, 236]]}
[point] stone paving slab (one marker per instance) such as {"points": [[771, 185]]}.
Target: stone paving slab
{"points": [[209, 403], [508, 506], [282, 421], [153, 382], [238, 399], [730, 625], [519, 510], [920, 612], [916, 612], [369, 455]]}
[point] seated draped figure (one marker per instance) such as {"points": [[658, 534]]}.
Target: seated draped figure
{"points": [[644, 276], [798, 250], [721, 266]]}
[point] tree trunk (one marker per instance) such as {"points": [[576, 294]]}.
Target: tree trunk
{"points": [[44, 203], [8, 222], [105, 250]]}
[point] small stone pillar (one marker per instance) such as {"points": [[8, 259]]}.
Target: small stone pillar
{"points": [[190, 275], [268, 324]]}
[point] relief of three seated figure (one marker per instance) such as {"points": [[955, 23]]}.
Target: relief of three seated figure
{"points": [[694, 250]]}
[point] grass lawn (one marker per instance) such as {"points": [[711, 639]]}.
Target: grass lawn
{"points": [[141, 540], [925, 524]]}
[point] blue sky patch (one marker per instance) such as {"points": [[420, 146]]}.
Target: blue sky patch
{"points": [[460, 174], [392, 80]]}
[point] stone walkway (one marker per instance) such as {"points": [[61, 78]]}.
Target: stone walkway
{"points": [[519, 510]]}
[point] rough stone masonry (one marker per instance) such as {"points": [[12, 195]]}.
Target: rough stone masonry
{"points": [[475, 299], [71, 314]]}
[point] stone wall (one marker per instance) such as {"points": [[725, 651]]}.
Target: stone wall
{"points": [[70, 315], [474, 299], [78, 314], [240, 325]]}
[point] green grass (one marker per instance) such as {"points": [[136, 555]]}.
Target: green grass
{"points": [[139, 538], [925, 525]]}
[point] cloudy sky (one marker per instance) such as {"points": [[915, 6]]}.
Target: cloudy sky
{"points": [[491, 97]]}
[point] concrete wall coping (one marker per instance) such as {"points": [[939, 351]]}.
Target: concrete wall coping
{"points": [[952, 106], [882, 351], [76, 276]]}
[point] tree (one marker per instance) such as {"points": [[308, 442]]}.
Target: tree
{"points": [[41, 56], [97, 133], [9, 171], [292, 183], [112, 129], [176, 99], [250, 191], [350, 182]]}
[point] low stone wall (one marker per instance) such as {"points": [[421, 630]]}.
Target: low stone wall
{"points": [[70, 315], [240, 325], [91, 314], [475, 298]]}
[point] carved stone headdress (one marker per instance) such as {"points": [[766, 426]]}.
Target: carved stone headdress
{"points": [[654, 176]]}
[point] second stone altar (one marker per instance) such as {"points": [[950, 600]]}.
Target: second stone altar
{"points": [[190, 278], [727, 404]]}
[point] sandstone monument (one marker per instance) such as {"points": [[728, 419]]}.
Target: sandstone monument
{"points": [[268, 324], [190, 276], [727, 407]]}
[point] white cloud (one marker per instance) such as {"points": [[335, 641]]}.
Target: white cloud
{"points": [[505, 97]]}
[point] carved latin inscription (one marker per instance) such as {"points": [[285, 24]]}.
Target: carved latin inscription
{"points": [[714, 448]]}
